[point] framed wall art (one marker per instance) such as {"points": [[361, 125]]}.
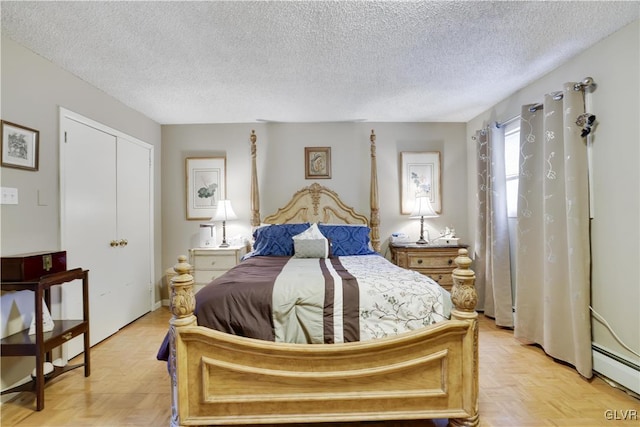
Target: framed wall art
{"points": [[420, 176], [19, 146], [317, 162], [206, 180]]}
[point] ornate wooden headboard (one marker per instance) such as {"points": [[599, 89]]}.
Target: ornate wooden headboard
{"points": [[316, 203]]}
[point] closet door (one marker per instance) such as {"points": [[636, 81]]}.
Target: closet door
{"points": [[106, 222], [89, 224], [134, 228]]}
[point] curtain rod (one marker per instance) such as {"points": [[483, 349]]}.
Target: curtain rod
{"points": [[506, 122], [586, 84]]}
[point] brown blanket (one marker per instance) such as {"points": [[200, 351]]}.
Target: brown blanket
{"points": [[241, 301]]}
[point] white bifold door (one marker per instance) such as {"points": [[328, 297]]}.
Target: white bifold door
{"points": [[106, 215]]}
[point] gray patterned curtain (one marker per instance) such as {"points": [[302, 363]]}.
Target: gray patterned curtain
{"points": [[553, 254], [492, 258]]}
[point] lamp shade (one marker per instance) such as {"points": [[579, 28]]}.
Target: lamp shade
{"points": [[423, 208], [224, 211]]}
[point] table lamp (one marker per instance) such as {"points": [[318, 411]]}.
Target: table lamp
{"points": [[224, 213], [422, 209]]}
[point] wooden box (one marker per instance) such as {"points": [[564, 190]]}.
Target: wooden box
{"points": [[32, 266]]}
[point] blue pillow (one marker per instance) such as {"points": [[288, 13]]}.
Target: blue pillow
{"points": [[348, 239], [277, 239]]}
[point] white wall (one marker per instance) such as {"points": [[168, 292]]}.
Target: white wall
{"points": [[281, 171], [33, 89], [614, 65]]}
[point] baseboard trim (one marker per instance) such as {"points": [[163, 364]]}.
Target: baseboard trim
{"points": [[166, 303], [616, 368]]}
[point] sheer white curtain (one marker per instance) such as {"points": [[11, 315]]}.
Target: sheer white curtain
{"points": [[553, 254], [492, 258]]}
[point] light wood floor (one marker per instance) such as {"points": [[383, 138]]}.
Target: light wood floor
{"points": [[519, 386]]}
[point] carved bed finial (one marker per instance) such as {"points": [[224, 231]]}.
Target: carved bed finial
{"points": [[182, 298], [463, 293]]}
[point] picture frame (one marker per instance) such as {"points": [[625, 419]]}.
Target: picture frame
{"points": [[206, 185], [420, 176], [317, 162], [20, 146]]}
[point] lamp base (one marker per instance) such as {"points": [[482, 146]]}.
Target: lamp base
{"points": [[224, 243], [421, 240]]}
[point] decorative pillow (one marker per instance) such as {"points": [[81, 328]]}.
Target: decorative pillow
{"points": [[276, 240], [311, 248], [311, 244], [348, 239]]}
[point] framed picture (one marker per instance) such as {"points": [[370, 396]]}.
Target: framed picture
{"points": [[206, 185], [420, 177], [19, 146], [317, 162]]}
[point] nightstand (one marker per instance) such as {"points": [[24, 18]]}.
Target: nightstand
{"points": [[209, 263], [434, 261]]}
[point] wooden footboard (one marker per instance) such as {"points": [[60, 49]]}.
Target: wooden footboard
{"points": [[218, 378]]}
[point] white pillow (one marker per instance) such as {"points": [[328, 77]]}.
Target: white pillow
{"points": [[311, 243]]}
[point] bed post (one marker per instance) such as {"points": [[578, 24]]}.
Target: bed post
{"points": [[255, 194], [182, 305], [463, 293], [465, 298], [374, 223]]}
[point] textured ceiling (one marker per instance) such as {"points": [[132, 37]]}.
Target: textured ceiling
{"points": [[243, 61]]}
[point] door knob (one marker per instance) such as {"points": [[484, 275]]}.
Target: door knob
{"points": [[113, 243], [123, 242]]}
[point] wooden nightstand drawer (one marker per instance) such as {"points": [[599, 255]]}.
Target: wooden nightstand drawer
{"points": [[219, 261], [421, 260]]}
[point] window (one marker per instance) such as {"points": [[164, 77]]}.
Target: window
{"points": [[512, 165]]}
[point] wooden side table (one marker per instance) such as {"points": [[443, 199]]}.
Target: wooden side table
{"points": [[209, 263], [434, 261], [41, 344]]}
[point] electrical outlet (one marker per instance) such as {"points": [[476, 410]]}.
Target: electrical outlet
{"points": [[9, 196]]}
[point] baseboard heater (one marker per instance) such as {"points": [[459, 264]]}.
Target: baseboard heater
{"points": [[616, 368]]}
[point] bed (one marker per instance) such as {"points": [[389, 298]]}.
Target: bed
{"points": [[423, 372]]}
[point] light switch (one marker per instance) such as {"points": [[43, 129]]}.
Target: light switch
{"points": [[9, 196]]}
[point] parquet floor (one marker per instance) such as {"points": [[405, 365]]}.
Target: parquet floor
{"points": [[519, 387]]}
